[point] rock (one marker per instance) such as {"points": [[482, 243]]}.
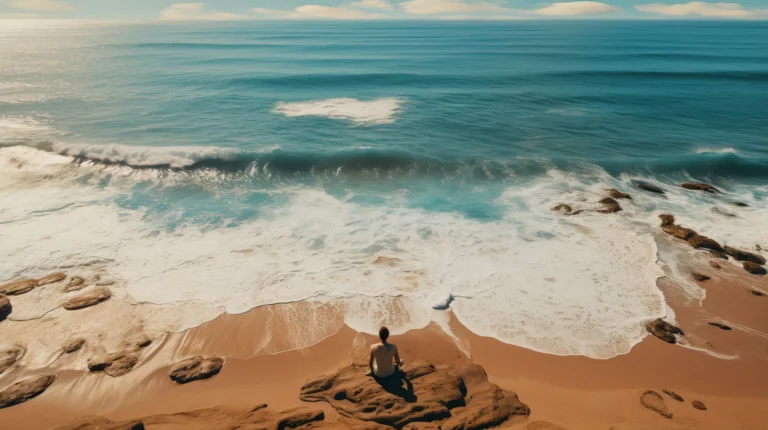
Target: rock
{"points": [[114, 364], [75, 283], [720, 255], [699, 405], [196, 368], [699, 277], [262, 418], [566, 209], [5, 307], [757, 293], [616, 194], [702, 242], [741, 204], [698, 186], [25, 390], [664, 330], [649, 187], [715, 264], [85, 300], [667, 219], [17, 288], [100, 423], [610, 206], [653, 401], [754, 268], [423, 392], [9, 357], [672, 394], [678, 231], [740, 255], [143, 341], [74, 346], [50, 279], [721, 326]]}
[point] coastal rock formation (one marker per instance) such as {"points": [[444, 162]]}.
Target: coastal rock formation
{"points": [[653, 401], [114, 364], [754, 268], [74, 346], [100, 423], [422, 393], [668, 226], [616, 194], [19, 287], [699, 186], [5, 307], [566, 209], [142, 341], [664, 330], [75, 283], [610, 206], [699, 405], [25, 390], [88, 299], [9, 357], [195, 369], [721, 326], [52, 278], [702, 242], [699, 277], [740, 255], [672, 394], [649, 187]]}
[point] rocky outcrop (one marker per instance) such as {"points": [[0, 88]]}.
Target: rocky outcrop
{"points": [[142, 341], [100, 423], [702, 242], [114, 364], [195, 369], [740, 255], [699, 186], [74, 346], [566, 209], [700, 277], [25, 390], [88, 299], [5, 307], [52, 278], [699, 405], [462, 399], [19, 287], [672, 394], [653, 401], [664, 330], [649, 187], [754, 268], [668, 226], [75, 283], [610, 205], [9, 357], [616, 194], [721, 326]]}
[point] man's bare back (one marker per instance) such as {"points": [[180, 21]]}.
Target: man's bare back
{"points": [[384, 357]]}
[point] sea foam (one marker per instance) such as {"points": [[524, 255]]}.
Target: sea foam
{"points": [[373, 112]]}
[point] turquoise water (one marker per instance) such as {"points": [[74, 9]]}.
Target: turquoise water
{"points": [[443, 145]]}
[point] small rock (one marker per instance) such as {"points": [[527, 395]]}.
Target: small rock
{"points": [[672, 394], [741, 204], [115, 364], [143, 341], [667, 219], [664, 330], [616, 194], [9, 357], [196, 368], [653, 401], [649, 187], [754, 268], [50, 279], [721, 326], [699, 405], [74, 345], [566, 209], [25, 390], [699, 277], [698, 186], [85, 300], [757, 293], [610, 206], [5, 307], [17, 288], [75, 283], [678, 231], [719, 255], [702, 242], [740, 255], [715, 264]]}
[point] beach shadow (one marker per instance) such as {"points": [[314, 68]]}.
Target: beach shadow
{"points": [[399, 385]]}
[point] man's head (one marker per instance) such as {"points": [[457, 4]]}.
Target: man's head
{"points": [[383, 334]]}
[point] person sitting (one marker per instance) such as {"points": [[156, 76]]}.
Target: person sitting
{"points": [[384, 360]]}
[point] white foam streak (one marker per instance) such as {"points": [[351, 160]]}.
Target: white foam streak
{"points": [[373, 112], [173, 156]]}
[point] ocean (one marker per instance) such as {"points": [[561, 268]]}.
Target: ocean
{"points": [[391, 169]]}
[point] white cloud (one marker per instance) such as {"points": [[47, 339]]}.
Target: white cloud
{"points": [[41, 5], [480, 18], [576, 8], [25, 15], [329, 12], [196, 12], [709, 10], [372, 4], [434, 7]]}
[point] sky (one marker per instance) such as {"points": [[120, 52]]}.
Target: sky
{"points": [[232, 10]]}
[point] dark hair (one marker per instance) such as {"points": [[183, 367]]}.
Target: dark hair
{"points": [[383, 334]]}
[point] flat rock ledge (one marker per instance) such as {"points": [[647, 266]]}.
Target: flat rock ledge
{"points": [[422, 396], [114, 364], [5, 307], [195, 369], [88, 299], [19, 287], [25, 390]]}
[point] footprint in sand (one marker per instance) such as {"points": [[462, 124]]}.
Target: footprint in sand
{"points": [[653, 401]]}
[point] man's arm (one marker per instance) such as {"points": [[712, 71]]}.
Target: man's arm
{"points": [[370, 361], [398, 361]]}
